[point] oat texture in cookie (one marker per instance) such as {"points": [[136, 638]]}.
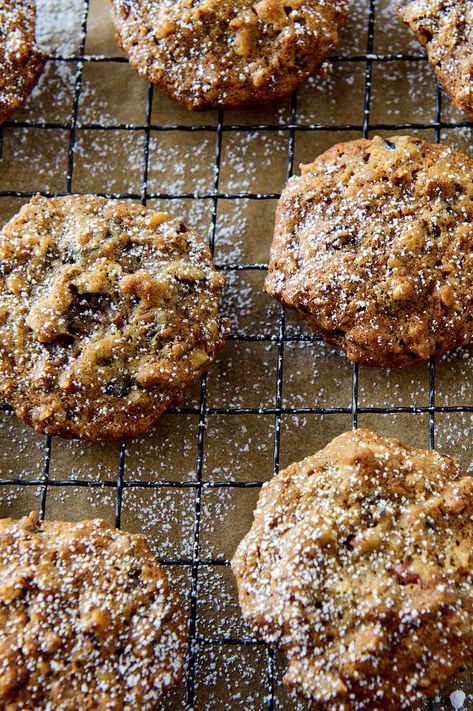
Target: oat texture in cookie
{"points": [[445, 29], [373, 247], [359, 567], [21, 61], [89, 619], [107, 311], [222, 54]]}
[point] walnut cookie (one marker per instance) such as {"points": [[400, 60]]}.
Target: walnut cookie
{"points": [[359, 567], [445, 29], [107, 311], [221, 54], [89, 619], [21, 61], [373, 247]]}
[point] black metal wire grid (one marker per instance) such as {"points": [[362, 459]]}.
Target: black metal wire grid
{"points": [[44, 483]]}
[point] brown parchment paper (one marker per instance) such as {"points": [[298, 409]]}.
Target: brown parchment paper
{"points": [[237, 447]]}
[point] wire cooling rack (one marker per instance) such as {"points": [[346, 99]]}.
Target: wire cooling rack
{"points": [[268, 694]]}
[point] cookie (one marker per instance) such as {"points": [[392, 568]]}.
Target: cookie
{"points": [[89, 619], [21, 61], [221, 54], [445, 29], [359, 567], [107, 311], [373, 247]]}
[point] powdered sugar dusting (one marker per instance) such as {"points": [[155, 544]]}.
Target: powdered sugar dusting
{"points": [[354, 556], [236, 447], [99, 612], [227, 54], [59, 25]]}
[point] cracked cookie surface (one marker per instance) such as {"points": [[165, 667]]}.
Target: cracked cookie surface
{"points": [[21, 61], [358, 566], [373, 247], [107, 311], [221, 54], [445, 29], [89, 619]]}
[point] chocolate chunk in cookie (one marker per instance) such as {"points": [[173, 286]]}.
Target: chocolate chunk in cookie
{"points": [[445, 29], [21, 62], [107, 311], [89, 619], [374, 248], [359, 566], [222, 54]]}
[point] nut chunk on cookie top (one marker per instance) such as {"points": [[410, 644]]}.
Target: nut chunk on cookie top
{"points": [[359, 566], [21, 62], [107, 311], [373, 247], [224, 54], [445, 29], [88, 617]]}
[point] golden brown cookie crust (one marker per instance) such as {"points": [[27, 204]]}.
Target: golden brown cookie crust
{"points": [[373, 247], [359, 567], [89, 619], [107, 311], [21, 61], [221, 54], [445, 29]]}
